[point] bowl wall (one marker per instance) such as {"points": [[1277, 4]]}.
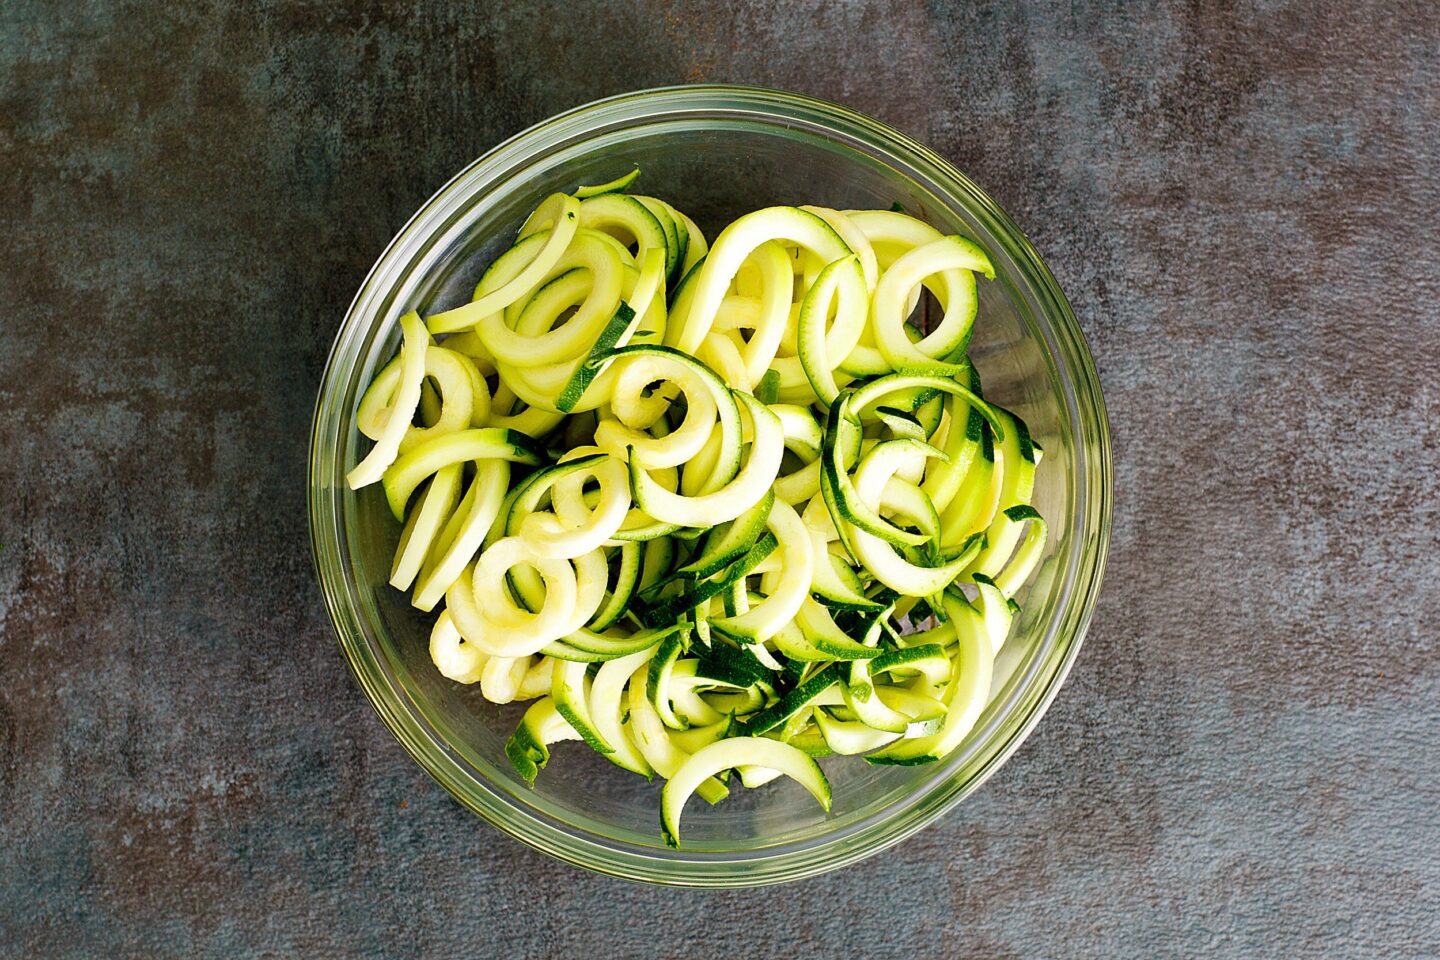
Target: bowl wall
{"points": [[715, 153]]}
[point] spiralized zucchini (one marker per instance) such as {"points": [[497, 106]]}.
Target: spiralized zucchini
{"points": [[711, 507]]}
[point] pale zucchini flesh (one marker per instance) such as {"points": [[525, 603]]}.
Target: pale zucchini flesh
{"points": [[712, 509]]}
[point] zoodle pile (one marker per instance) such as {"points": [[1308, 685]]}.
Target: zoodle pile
{"points": [[712, 508]]}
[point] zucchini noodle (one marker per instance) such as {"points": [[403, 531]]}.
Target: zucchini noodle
{"points": [[711, 507]]}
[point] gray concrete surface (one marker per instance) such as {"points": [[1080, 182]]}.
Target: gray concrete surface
{"points": [[1241, 201]]}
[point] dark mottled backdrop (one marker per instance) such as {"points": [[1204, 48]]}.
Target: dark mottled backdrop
{"points": [[1242, 203]]}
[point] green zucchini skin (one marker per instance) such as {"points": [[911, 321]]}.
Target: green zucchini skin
{"points": [[712, 509]]}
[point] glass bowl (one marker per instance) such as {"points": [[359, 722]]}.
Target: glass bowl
{"points": [[716, 152]]}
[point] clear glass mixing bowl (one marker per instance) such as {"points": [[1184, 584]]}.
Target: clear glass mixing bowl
{"points": [[715, 152]]}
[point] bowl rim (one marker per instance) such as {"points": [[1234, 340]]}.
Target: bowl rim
{"points": [[785, 862]]}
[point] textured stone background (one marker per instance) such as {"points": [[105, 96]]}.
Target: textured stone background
{"points": [[1241, 202]]}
